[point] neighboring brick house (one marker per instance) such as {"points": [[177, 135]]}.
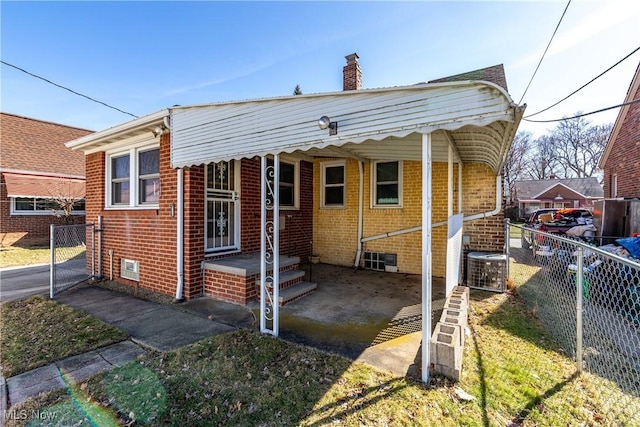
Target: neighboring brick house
{"points": [[536, 194], [36, 166], [179, 191], [621, 159]]}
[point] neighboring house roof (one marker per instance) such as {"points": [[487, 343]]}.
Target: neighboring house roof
{"points": [[25, 185], [372, 123], [588, 188], [30, 145], [494, 74], [634, 89]]}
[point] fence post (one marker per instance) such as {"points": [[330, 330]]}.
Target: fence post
{"points": [[579, 302], [52, 262], [99, 247], [93, 251]]}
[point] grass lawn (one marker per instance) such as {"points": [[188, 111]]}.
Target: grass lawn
{"points": [[512, 368], [37, 331], [14, 256]]}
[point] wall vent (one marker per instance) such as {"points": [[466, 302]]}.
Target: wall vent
{"points": [[487, 271], [129, 269]]}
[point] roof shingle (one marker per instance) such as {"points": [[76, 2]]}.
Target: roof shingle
{"points": [[38, 146]]}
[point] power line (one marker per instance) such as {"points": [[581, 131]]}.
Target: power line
{"points": [[585, 85], [585, 114], [70, 90], [545, 51]]}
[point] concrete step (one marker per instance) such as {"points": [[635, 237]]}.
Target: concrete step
{"points": [[287, 276], [296, 291]]}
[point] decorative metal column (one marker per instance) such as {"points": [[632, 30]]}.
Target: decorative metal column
{"points": [[270, 246]]}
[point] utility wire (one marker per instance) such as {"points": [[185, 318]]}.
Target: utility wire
{"points": [[545, 51], [585, 85], [66, 88], [585, 114]]}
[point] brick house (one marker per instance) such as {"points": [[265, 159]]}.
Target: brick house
{"points": [[36, 166], [621, 158], [536, 194], [185, 201]]}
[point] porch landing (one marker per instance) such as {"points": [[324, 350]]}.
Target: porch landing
{"points": [[245, 264], [237, 279]]}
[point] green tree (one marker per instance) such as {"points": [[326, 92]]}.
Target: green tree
{"points": [[297, 90]]}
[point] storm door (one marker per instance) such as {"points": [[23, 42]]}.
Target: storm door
{"points": [[222, 224]]}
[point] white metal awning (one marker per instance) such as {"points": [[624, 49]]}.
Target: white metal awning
{"points": [[478, 118], [382, 123]]}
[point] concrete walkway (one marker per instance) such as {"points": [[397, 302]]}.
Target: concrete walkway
{"points": [[152, 326]]}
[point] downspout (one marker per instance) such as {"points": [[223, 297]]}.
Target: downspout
{"points": [[180, 236], [360, 203]]}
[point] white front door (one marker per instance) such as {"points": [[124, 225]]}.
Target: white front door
{"points": [[222, 220]]}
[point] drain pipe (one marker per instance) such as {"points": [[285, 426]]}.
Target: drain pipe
{"points": [[360, 202], [487, 214], [111, 264], [180, 236]]}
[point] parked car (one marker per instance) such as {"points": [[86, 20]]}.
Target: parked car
{"points": [[555, 221], [533, 222]]}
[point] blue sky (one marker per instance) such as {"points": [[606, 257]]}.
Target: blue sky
{"points": [[145, 56]]}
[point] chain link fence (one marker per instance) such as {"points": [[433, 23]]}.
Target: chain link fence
{"points": [[72, 256], [589, 299]]}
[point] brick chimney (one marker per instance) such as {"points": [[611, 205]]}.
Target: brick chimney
{"points": [[352, 74]]}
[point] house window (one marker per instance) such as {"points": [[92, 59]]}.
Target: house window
{"points": [[387, 184], [149, 171], [42, 206], [333, 185], [134, 178], [289, 183]]}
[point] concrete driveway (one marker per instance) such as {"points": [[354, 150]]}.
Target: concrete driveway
{"points": [[21, 282]]}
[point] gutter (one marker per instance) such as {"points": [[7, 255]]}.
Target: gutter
{"points": [[487, 214]]}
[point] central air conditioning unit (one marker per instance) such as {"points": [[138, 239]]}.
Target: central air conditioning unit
{"points": [[487, 271]]}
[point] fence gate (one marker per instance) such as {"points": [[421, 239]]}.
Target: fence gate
{"points": [[72, 256]]}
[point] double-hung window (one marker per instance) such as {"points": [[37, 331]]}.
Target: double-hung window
{"points": [[289, 183], [333, 179], [133, 178], [387, 184]]}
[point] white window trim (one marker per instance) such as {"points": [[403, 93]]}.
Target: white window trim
{"points": [[16, 212], [373, 198], [134, 179], [323, 167], [614, 186]]}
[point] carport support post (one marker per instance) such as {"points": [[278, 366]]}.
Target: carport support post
{"points": [[270, 246], [426, 254], [52, 264]]}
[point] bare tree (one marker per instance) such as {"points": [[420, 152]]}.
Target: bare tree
{"points": [[578, 146], [516, 162], [542, 161], [64, 194]]}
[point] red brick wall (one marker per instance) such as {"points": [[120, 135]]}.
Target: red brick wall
{"points": [[295, 238], [624, 158], [147, 236], [26, 230]]}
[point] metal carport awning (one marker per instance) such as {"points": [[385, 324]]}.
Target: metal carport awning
{"points": [[25, 185]]}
